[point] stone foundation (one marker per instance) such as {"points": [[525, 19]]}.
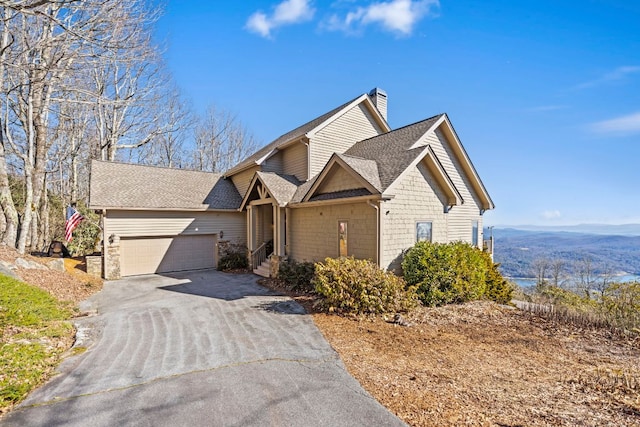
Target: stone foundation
{"points": [[112, 258], [275, 260], [94, 265]]}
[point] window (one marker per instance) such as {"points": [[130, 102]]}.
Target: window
{"points": [[342, 238], [423, 231], [474, 233]]}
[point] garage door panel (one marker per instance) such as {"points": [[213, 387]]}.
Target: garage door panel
{"points": [[164, 254]]}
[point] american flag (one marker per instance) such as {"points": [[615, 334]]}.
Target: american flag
{"points": [[73, 219]]}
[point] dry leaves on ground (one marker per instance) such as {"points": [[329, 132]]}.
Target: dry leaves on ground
{"points": [[73, 285], [484, 364]]}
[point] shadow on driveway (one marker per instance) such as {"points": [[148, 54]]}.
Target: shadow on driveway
{"points": [[200, 348]]}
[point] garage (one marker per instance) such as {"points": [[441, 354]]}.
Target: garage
{"points": [[158, 220], [164, 254]]}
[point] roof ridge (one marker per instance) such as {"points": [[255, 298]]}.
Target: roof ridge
{"points": [[291, 135], [156, 167], [405, 126]]}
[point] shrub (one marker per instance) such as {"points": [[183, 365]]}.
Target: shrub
{"points": [[621, 305], [86, 236], [297, 276], [350, 285], [453, 273], [233, 257], [498, 288]]}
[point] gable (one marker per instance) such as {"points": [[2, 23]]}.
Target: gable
{"points": [[344, 177], [401, 149], [308, 130], [338, 179], [442, 178], [271, 187], [458, 166], [356, 124]]}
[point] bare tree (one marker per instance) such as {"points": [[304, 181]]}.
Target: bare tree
{"points": [[221, 141], [585, 275], [169, 148], [606, 279], [47, 49], [540, 268], [557, 266]]}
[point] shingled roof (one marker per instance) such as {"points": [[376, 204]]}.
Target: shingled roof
{"points": [[290, 136], [123, 185], [392, 151], [282, 187], [367, 169]]}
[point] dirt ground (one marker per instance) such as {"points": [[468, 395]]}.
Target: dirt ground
{"points": [[482, 364], [487, 365], [73, 285]]}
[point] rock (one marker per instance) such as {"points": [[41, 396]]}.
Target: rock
{"points": [[9, 270], [29, 265], [56, 264], [398, 319]]}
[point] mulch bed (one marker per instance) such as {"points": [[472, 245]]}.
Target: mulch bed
{"points": [[482, 364]]}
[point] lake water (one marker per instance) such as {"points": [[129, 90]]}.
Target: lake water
{"points": [[525, 282]]}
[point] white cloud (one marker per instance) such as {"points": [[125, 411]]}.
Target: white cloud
{"points": [[555, 214], [624, 125], [285, 13], [396, 16], [618, 74]]}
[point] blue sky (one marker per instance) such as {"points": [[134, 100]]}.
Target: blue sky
{"points": [[545, 95]]}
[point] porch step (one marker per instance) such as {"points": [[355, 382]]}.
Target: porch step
{"points": [[263, 269]]}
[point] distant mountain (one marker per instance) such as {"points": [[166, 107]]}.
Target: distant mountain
{"points": [[606, 229], [516, 250]]}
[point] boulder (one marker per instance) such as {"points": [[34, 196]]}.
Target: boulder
{"points": [[9, 270], [29, 265], [56, 264]]}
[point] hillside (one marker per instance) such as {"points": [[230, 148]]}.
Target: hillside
{"points": [[517, 250], [481, 364]]}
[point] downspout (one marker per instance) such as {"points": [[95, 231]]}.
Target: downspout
{"points": [[377, 208]]}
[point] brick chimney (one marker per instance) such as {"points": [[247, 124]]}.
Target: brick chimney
{"points": [[379, 98]]}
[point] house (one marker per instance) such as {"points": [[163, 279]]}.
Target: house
{"points": [[341, 184]]}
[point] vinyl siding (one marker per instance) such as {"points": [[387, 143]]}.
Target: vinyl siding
{"points": [[338, 179], [314, 231], [274, 163], [337, 137], [243, 179], [460, 217], [294, 161], [417, 198], [157, 223]]}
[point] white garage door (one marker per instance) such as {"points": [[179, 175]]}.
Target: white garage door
{"points": [[163, 254]]}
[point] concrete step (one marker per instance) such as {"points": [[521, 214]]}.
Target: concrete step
{"points": [[263, 269]]}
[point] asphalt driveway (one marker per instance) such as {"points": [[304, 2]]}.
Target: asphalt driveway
{"points": [[199, 349]]}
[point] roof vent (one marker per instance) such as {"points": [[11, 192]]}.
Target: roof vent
{"points": [[379, 98]]}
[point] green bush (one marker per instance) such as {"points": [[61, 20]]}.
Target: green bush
{"points": [[297, 276], [563, 297], [453, 273], [621, 305], [86, 235], [498, 288], [350, 285], [233, 257]]}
